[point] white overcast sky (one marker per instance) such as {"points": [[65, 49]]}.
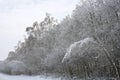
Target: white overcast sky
{"points": [[16, 15]]}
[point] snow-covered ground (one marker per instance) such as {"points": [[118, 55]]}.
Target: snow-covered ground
{"points": [[41, 77], [22, 77]]}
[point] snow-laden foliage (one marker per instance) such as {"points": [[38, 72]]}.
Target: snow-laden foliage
{"points": [[4, 67], [84, 44], [78, 46], [14, 67], [18, 67]]}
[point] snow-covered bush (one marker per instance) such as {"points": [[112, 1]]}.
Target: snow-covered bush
{"points": [[14, 67], [18, 67], [4, 67], [79, 48]]}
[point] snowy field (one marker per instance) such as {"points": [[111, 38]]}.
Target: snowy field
{"points": [[22, 77]]}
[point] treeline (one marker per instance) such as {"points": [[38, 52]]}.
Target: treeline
{"points": [[88, 41]]}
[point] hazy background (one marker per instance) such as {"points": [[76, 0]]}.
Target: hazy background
{"points": [[16, 15]]}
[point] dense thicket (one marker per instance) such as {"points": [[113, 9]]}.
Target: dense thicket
{"points": [[85, 44]]}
